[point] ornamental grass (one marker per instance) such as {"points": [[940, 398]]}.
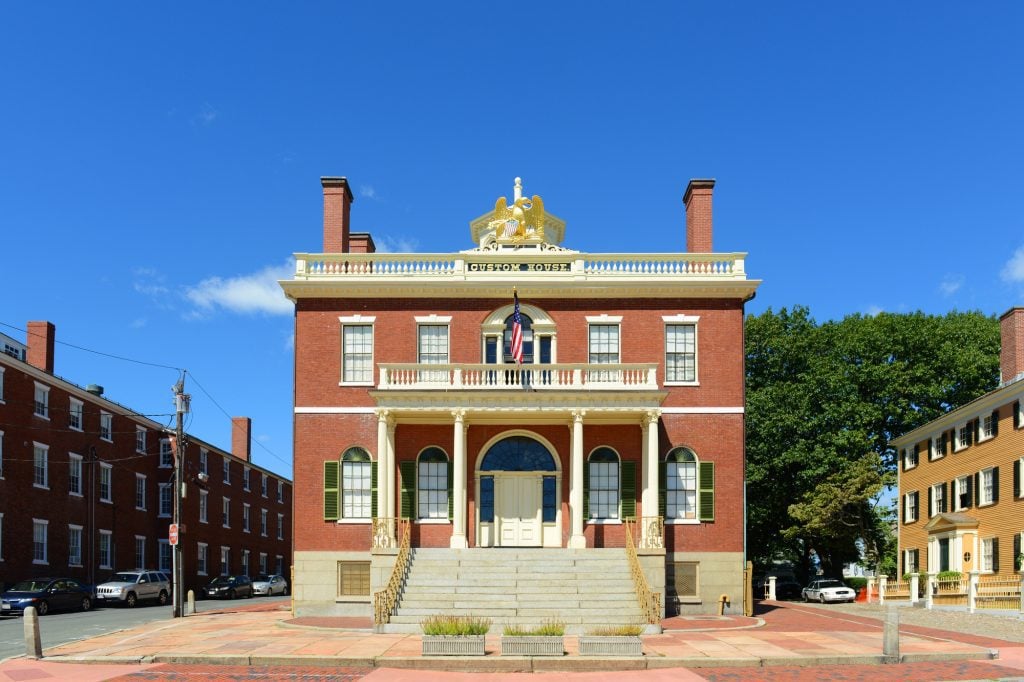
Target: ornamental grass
{"points": [[548, 628], [455, 626]]}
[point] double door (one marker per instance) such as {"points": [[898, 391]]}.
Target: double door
{"points": [[518, 500]]}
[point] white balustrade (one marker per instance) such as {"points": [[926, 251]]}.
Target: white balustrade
{"points": [[518, 377]]}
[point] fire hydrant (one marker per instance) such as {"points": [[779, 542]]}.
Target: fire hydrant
{"points": [[723, 601]]}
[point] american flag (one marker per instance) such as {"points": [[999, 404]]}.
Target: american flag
{"points": [[517, 331]]}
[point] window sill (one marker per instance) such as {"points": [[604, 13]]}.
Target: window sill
{"points": [[106, 440], [682, 383], [682, 522], [604, 522], [985, 504], [37, 562], [141, 509], [41, 487], [75, 428], [434, 522], [107, 501], [41, 416], [354, 521], [355, 383], [70, 494]]}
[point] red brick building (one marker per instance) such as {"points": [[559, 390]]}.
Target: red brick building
{"points": [[85, 484], [411, 402]]}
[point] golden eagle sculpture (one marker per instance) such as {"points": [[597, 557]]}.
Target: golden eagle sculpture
{"points": [[524, 219]]}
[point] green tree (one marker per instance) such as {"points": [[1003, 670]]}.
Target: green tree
{"points": [[823, 403]]}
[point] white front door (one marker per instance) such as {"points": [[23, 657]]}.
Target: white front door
{"points": [[517, 501]]}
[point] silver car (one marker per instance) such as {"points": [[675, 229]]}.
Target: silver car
{"points": [[131, 587], [269, 585], [828, 591]]}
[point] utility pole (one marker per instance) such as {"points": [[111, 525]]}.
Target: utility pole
{"points": [[181, 407]]}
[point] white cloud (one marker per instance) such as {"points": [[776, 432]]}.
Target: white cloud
{"points": [[874, 311], [258, 292], [367, 191], [951, 284], [396, 245], [1013, 271], [206, 116]]}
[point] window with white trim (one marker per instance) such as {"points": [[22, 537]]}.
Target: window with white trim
{"points": [[203, 456], [357, 350], [1, 454], [225, 560], [355, 484], [39, 548], [432, 484], [909, 458], [140, 439], [681, 484], [106, 426], [1, 387], [42, 401], [603, 484], [166, 455], [987, 486], [245, 517], [140, 491], [263, 562], [910, 561], [987, 555], [964, 435], [937, 447], [74, 545], [204, 505], [75, 409], [106, 480], [603, 341], [280, 526], [432, 348], [167, 499], [987, 426], [74, 474], [245, 479], [263, 522], [40, 465], [280, 489], [910, 507], [1018, 409], [680, 349], [225, 516], [263, 485], [279, 562], [245, 562], [1, 534], [938, 499], [962, 493], [106, 549], [227, 471], [202, 558], [164, 561], [140, 552]]}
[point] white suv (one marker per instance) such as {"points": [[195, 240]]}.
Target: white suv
{"points": [[131, 587]]}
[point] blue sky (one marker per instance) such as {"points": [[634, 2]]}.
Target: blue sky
{"points": [[159, 163]]}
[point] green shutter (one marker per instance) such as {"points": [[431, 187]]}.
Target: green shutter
{"points": [[662, 489], [408, 471], [586, 491], [451, 497], [330, 491], [995, 555], [374, 472], [706, 491], [628, 474]]}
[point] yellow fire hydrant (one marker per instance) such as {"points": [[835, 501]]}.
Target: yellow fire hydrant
{"points": [[723, 601]]}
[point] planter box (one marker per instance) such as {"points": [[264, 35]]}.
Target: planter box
{"points": [[453, 645], [531, 645], [626, 645]]}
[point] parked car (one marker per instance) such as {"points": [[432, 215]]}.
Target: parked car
{"points": [[269, 585], [788, 589], [131, 587], [828, 591], [46, 594], [229, 587]]}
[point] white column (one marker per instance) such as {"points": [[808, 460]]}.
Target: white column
{"points": [[383, 511], [649, 502], [458, 540], [576, 538], [392, 467]]}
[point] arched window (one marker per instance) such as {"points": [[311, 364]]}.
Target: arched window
{"points": [[355, 484], [527, 325], [432, 484], [681, 484], [602, 484], [517, 453]]}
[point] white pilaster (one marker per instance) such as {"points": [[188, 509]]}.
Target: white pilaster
{"points": [[383, 511], [458, 540], [576, 538]]}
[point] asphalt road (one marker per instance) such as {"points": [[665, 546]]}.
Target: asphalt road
{"points": [[62, 627]]}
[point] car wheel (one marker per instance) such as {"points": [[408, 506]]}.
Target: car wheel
{"points": [[43, 608], [821, 598], [131, 600], [231, 594], [804, 596], [162, 599], [86, 603], [285, 591], [249, 595]]}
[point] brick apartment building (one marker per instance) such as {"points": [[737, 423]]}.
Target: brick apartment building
{"points": [[961, 490], [411, 403], [85, 484]]}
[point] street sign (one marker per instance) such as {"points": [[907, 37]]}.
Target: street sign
{"points": [[172, 534]]}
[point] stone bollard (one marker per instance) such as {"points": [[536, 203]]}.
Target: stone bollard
{"points": [[190, 607], [33, 643], [915, 586], [891, 634], [771, 588]]}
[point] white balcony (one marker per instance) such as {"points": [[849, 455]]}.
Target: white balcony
{"points": [[556, 377]]}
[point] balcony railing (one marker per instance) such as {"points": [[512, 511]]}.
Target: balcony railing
{"points": [[428, 265], [557, 377]]}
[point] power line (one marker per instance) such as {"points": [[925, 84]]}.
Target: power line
{"points": [[97, 352]]}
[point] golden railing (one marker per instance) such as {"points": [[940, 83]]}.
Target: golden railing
{"points": [[384, 600], [650, 601], [998, 593], [897, 590], [950, 591]]}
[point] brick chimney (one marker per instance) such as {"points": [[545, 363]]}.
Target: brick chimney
{"points": [[40, 340], [1011, 352], [241, 437], [361, 242], [697, 200], [337, 203]]}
